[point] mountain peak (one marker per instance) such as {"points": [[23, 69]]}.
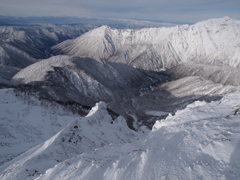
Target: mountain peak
{"points": [[98, 111], [226, 18], [208, 41], [221, 20], [102, 28]]}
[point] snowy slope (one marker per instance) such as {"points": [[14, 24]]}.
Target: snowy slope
{"points": [[87, 81], [81, 135], [127, 90], [60, 79], [11, 56], [36, 40], [21, 46], [26, 121], [226, 75], [199, 142], [12, 60], [40, 140], [177, 94], [215, 41]]}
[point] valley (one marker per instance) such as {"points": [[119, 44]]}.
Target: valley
{"points": [[89, 100]]}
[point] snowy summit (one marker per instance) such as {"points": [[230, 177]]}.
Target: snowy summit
{"points": [[200, 142], [157, 103]]}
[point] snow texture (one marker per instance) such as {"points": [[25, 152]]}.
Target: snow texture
{"points": [[43, 140], [81, 135], [26, 122], [199, 142], [215, 41], [87, 81], [21, 46]]}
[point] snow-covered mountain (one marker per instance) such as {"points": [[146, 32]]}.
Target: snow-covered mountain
{"points": [[198, 50], [139, 131], [86, 75], [14, 57], [215, 41], [36, 134], [87, 81], [85, 21], [36, 40], [12, 60], [135, 94], [21, 46], [201, 141], [226, 75], [26, 122]]}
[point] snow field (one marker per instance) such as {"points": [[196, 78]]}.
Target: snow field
{"points": [[199, 142]]}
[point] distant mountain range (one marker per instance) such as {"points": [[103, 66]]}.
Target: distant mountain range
{"points": [[214, 42], [86, 101], [124, 67], [58, 20]]}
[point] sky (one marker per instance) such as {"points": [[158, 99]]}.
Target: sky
{"points": [[189, 11]]}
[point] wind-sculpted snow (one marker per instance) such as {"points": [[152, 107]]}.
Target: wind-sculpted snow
{"points": [[200, 141], [215, 41], [81, 135]]}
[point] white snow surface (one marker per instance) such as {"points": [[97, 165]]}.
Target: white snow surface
{"points": [[26, 124], [201, 141], [37, 71], [214, 41]]}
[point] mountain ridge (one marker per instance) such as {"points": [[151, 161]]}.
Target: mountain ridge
{"points": [[201, 140], [165, 105], [209, 42]]}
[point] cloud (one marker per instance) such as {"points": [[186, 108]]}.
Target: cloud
{"points": [[169, 10]]}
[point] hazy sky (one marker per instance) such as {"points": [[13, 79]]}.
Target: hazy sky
{"points": [[166, 10]]}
